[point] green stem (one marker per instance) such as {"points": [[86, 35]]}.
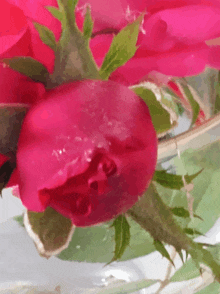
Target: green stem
{"points": [[156, 218]]}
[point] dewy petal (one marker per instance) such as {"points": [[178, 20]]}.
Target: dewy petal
{"points": [[86, 125]]}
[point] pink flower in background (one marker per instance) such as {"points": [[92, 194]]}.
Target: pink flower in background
{"points": [[89, 150], [173, 36]]}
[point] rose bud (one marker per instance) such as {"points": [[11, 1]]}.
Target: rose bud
{"points": [[89, 151]]}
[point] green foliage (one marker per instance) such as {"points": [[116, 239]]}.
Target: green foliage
{"points": [[160, 248], [28, 67], [187, 272], [206, 186], [55, 12], [46, 35], [123, 47], [160, 116], [96, 244], [213, 288], [173, 181], [195, 106], [192, 232], [50, 231], [88, 24], [182, 212], [122, 236]]}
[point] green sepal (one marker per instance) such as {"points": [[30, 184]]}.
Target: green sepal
{"points": [[50, 231], [11, 118], [55, 12], [46, 35], [161, 248], [123, 48], [6, 171], [29, 67], [88, 24]]}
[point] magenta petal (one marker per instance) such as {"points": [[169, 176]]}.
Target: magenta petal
{"points": [[191, 24]]}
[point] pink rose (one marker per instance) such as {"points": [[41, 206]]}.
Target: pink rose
{"points": [[173, 36], [88, 150]]}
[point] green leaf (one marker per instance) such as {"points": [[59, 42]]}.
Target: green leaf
{"points": [[11, 118], [46, 35], [173, 181], [88, 24], [180, 211], [6, 171], [123, 48], [19, 219], [122, 236], [213, 288], [55, 12], [73, 58], [50, 231], [28, 67], [206, 186], [96, 244], [129, 287], [195, 106], [160, 247], [190, 231], [160, 116], [187, 272]]}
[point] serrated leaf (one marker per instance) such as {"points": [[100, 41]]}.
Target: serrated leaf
{"points": [[122, 236], [192, 232], [182, 212], [173, 181], [88, 24], [194, 105], [28, 67], [160, 247], [55, 12], [129, 287], [160, 116], [46, 35], [123, 48], [6, 171], [11, 118], [50, 231], [187, 272]]}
